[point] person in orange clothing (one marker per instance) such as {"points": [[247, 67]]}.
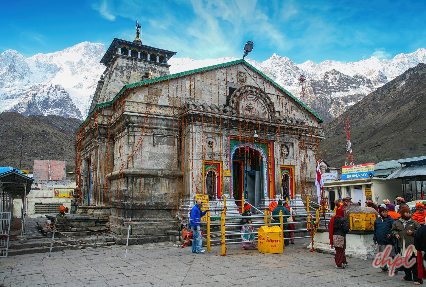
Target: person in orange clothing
{"points": [[420, 214], [272, 206], [392, 213]]}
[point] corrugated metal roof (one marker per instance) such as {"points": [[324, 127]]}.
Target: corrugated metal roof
{"points": [[408, 171], [390, 164], [190, 72], [421, 160]]}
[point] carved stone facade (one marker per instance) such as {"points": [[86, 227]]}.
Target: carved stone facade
{"points": [[224, 130]]}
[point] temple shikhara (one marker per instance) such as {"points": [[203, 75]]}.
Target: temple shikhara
{"points": [[154, 140]]}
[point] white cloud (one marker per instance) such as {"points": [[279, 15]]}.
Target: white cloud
{"points": [[102, 8], [381, 54]]}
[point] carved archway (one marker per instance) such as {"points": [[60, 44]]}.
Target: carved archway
{"points": [[252, 102]]}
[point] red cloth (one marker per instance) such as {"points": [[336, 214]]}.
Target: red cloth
{"points": [[339, 213]]}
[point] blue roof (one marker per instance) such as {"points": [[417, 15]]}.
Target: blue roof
{"points": [[8, 168]]}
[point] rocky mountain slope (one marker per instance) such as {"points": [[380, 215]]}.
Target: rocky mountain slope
{"points": [[60, 83], [388, 124], [39, 137], [63, 83]]}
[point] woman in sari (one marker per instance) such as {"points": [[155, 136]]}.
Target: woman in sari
{"points": [[247, 235], [338, 228]]}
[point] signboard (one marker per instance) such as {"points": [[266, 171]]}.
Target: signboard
{"points": [[226, 172], [64, 192], [329, 176], [205, 199], [358, 171]]}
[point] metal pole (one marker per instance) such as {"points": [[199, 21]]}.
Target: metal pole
{"points": [[127, 243], [51, 244]]}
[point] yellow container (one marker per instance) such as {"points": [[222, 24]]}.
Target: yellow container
{"points": [[270, 239], [362, 221]]}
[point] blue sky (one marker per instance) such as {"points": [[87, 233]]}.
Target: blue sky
{"points": [[318, 30]]}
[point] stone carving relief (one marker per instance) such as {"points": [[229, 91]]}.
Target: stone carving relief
{"points": [[241, 78], [252, 102]]}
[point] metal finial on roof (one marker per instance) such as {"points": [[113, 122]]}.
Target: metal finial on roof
{"points": [[137, 39]]}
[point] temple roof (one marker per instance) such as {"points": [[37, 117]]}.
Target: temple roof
{"points": [[191, 72], [132, 45]]}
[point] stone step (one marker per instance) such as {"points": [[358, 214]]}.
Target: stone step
{"points": [[56, 247]]}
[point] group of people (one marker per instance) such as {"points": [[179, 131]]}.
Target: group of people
{"points": [[247, 229], [395, 229]]}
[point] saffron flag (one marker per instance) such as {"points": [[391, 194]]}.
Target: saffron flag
{"points": [[319, 182]]}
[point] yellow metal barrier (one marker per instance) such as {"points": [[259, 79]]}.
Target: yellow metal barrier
{"points": [[266, 216], [307, 205], [318, 216]]}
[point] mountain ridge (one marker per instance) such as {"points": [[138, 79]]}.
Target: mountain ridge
{"points": [[75, 71], [388, 124]]}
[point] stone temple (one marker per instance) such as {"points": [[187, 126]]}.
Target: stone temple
{"points": [[154, 140]]}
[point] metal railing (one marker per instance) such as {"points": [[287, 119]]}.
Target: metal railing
{"points": [[5, 221], [229, 229]]}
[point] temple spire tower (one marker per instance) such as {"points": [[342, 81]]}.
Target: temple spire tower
{"points": [[129, 62]]}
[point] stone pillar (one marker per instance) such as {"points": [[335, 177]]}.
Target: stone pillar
{"points": [[148, 57], [139, 55], [119, 51], [130, 53], [158, 59]]}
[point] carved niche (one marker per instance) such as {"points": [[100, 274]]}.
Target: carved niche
{"points": [[252, 102]]}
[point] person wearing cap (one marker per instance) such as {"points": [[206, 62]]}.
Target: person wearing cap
{"points": [[404, 230], [276, 217], [247, 230], [392, 213], [195, 222], [61, 219], [382, 233], [420, 214]]}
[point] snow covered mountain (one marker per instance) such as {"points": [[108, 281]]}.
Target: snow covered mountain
{"points": [[60, 83], [63, 83]]}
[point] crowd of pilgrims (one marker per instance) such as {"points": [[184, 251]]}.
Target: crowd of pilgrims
{"points": [[396, 228]]}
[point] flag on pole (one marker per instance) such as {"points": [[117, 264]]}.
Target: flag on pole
{"points": [[319, 182]]}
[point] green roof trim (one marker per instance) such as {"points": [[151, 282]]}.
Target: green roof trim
{"points": [[191, 72]]}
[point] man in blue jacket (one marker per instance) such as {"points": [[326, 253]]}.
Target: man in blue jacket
{"points": [[382, 233], [195, 221]]}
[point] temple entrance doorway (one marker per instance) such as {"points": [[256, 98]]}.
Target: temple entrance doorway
{"points": [[211, 185], [287, 182], [247, 173]]}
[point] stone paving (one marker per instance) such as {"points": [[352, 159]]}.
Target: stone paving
{"points": [[163, 264]]}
